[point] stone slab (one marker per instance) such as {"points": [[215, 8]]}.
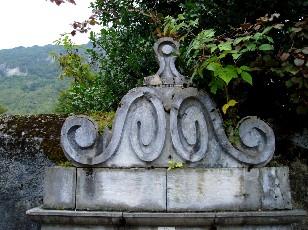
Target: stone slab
{"points": [[276, 188], [59, 188], [147, 220], [213, 189], [121, 189]]}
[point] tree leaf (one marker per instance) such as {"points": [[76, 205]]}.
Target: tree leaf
{"points": [[236, 56], [245, 68], [237, 41], [266, 47], [247, 77], [181, 16], [266, 30], [225, 46], [226, 106]]}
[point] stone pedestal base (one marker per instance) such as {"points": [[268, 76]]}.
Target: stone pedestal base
{"points": [[97, 220], [148, 199]]}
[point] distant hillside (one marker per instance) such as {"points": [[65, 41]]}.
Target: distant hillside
{"points": [[29, 81]]}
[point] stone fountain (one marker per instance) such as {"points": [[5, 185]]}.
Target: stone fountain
{"points": [[121, 179]]}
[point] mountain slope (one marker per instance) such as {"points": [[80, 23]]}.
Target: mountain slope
{"points": [[29, 81]]}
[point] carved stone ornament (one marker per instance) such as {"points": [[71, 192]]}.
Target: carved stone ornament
{"points": [[165, 120]]}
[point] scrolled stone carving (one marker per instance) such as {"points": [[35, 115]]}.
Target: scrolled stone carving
{"points": [[79, 138], [148, 128], [256, 142], [193, 114], [84, 146], [195, 127], [188, 127]]}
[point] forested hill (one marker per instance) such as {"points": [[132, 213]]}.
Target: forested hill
{"points": [[29, 81], [35, 60]]}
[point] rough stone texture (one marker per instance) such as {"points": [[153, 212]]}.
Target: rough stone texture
{"points": [[59, 188], [121, 189], [21, 188], [228, 189], [263, 220], [213, 189], [183, 189], [28, 144], [276, 188]]}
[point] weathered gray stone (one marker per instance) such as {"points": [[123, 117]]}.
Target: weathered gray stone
{"points": [[151, 119], [59, 188], [155, 123], [276, 188], [213, 189], [121, 189], [167, 73], [228, 189], [263, 220]]}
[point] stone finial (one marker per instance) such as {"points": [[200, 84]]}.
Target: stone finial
{"points": [[165, 48]]}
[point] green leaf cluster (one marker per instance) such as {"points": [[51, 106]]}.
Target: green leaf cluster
{"points": [[226, 49]]}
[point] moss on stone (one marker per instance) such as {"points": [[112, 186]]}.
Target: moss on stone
{"points": [[32, 134]]}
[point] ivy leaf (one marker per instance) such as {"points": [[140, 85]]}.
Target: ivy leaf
{"points": [[266, 47], [247, 77], [226, 106]]}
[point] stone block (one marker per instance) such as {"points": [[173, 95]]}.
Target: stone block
{"points": [[121, 189], [59, 188], [213, 189], [276, 188]]}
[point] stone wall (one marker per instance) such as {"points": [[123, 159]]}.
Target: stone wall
{"points": [[27, 145], [30, 143]]}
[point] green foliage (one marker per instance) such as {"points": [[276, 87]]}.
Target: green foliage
{"points": [[3, 109], [173, 165], [122, 54], [223, 60], [30, 94], [28, 80], [103, 119], [235, 63]]}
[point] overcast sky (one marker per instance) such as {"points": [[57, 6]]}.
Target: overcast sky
{"points": [[39, 22]]}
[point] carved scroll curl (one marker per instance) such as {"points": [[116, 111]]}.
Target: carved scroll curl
{"points": [[194, 114], [188, 127], [84, 146]]}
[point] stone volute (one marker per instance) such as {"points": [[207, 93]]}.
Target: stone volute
{"points": [[166, 120], [121, 180]]}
